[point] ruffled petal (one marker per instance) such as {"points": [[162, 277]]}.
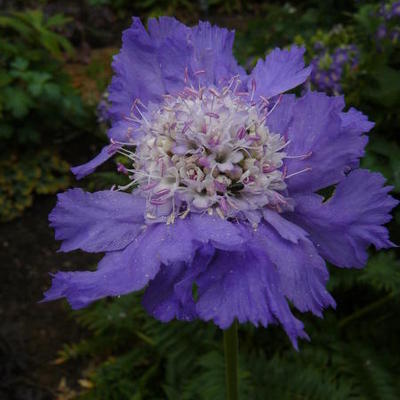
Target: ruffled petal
{"points": [[213, 54], [125, 271], [174, 57], [282, 70], [356, 122], [124, 131], [174, 49], [285, 228], [281, 118], [344, 226], [302, 272], [170, 294], [137, 73], [162, 28], [244, 285], [100, 221], [118, 273], [130, 269], [85, 169], [151, 64], [331, 142], [222, 234]]}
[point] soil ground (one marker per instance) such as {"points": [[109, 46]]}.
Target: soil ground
{"points": [[31, 334]]}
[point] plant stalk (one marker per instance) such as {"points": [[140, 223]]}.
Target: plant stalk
{"points": [[231, 348]]}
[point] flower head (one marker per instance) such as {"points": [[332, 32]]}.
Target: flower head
{"points": [[207, 150], [224, 172]]}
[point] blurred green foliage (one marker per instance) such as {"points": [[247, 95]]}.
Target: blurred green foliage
{"points": [[37, 102], [38, 108], [24, 174]]}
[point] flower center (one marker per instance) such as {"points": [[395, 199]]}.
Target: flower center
{"points": [[208, 151]]}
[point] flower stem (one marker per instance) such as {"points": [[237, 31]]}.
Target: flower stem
{"points": [[231, 361]]}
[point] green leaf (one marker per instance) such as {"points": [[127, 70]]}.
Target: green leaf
{"points": [[5, 78], [20, 64], [17, 101], [6, 131], [387, 88], [37, 82], [382, 272]]}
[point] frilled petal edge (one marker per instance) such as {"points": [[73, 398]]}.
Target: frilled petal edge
{"points": [[131, 268], [97, 222], [281, 71], [244, 285], [345, 225], [251, 284], [161, 60], [323, 142]]}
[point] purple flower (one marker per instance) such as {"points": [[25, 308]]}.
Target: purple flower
{"points": [[328, 69], [224, 178], [381, 32], [395, 10], [340, 56]]}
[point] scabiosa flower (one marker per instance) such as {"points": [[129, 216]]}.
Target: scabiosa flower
{"points": [[223, 193]]}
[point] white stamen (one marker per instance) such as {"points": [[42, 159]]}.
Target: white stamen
{"points": [[207, 151], [298, 172]]}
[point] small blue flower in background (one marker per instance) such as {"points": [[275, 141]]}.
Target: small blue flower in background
{"points": [[381, 32], [328, 69], [389, 14], [223, 193], [395, 9]]}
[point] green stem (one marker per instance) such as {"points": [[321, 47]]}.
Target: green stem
{"points": [[231, 361]]}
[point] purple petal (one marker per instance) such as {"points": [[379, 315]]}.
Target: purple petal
{"points": [[137, 73], [130, 269], [282, 70], [221, 233], [118, 273], [124, 131], [303, 274], [100, 221], [281, 118], [331, 141], [244, 285], [356, 122], [85, 169], [344, 226], [174, 57], [122, 272], [164, 27], [169, 295], [285, 228], [151, 64], [213, 54]]}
